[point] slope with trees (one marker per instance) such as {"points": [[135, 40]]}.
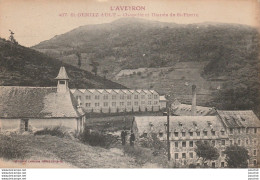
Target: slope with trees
{"points": [[26, 67]]}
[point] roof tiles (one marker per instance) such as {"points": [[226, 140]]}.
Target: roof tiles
{"points": [[36, 102], [243, 118], [178, 123]]}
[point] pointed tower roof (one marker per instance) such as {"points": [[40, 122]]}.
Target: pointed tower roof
{"points": [[62, 74]]}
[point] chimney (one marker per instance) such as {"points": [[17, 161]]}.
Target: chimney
{"points": [[193, 105]]}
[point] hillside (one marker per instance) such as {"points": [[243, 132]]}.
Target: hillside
{"points": [[41, 151], [131, 43], [222, 59], [174, 80], [26, 67]]}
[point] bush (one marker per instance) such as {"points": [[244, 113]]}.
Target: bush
{"points": [[140, 154], [158, 148], [236, 156], [171, 69], [144, 155], [55, 131], [206, 151], [192, 166], [153, 142], [96, 138], [149, 74], [11, 148]]}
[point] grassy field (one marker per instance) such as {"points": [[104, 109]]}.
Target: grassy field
{"points": [[71, 152], [76, 154], [45, 151], [176, 80]]}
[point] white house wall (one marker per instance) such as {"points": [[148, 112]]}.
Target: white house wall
{"points": [[10, 124], [37, 124], [43, 123], [162, 104]]}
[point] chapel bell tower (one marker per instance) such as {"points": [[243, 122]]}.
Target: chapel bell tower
{"points": [[63, 81]]}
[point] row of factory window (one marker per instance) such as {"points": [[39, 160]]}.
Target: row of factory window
{"points": [[254, 153], [191, 134], [241, 130], [183, 144], [183, 156], [213, 142], [213, 164], [114, 104], [198, 133], [192, 155], [191, 143], [105, 97], [240, 142]]}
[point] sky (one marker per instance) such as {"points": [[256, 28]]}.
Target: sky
{"points": [[34, 21]]}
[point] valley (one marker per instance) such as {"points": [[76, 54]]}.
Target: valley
{"points": [[221, 59]]}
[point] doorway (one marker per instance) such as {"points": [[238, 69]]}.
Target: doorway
{"points": [[24, 124]]}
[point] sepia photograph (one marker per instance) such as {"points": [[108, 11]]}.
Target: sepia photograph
{"points": [[130, 84]]}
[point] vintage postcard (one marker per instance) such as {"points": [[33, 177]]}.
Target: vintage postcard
{"points": [[129, 84]]}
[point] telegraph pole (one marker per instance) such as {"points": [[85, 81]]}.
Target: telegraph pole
{"points": [[168, 131]]}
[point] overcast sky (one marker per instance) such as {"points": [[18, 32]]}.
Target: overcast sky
{"points": [[34, 21]]}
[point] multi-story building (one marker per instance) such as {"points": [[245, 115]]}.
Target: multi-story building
{"points": [[243, 129], [184, 132], [222, 130], [117, 100]]}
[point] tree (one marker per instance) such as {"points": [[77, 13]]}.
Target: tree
{"points": [[79, 58], [11, 37], [236, 156], [152, 141], [94, 66], [105, 72], [206, 151]]}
